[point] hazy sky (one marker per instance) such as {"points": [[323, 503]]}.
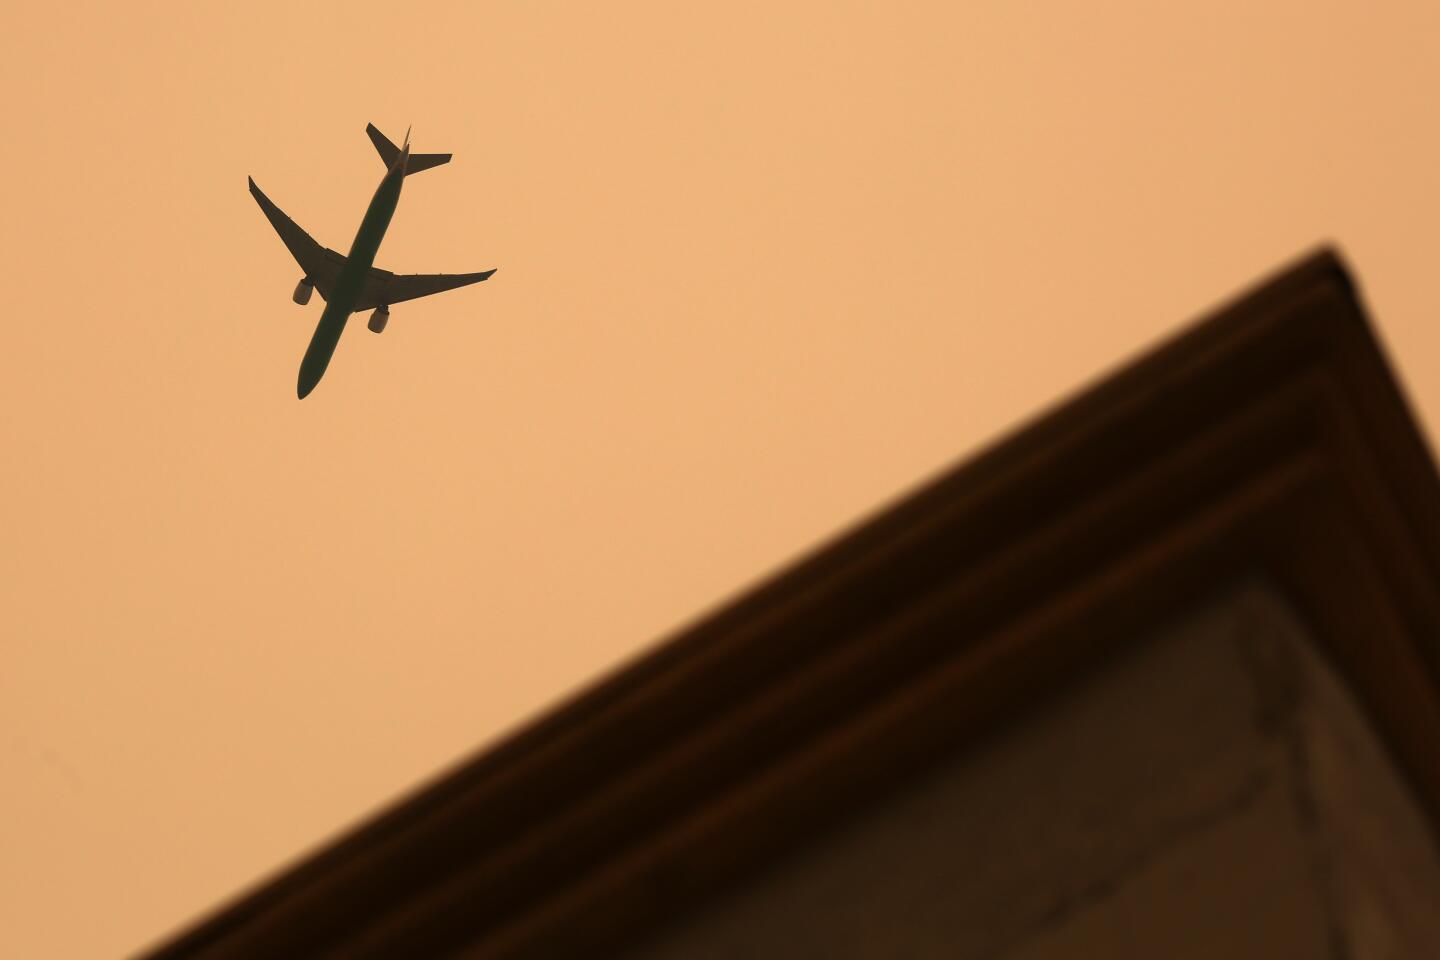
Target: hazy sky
{"points": [[762, 267]]}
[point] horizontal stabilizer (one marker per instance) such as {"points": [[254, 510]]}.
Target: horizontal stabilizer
{"points": [[424, 161], [388, 152]]}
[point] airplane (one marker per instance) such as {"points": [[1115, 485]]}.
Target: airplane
{"points": [[353, 284]]}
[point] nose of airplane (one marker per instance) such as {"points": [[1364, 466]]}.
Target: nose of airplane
{"points": [[311, 370]]}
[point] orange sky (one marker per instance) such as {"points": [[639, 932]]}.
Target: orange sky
{"points": [[762, 267]]}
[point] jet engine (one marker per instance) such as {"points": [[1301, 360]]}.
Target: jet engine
{"points": [[302, 291], [379, 318]]}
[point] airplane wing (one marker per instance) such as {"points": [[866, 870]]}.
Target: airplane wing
{"points": [[382, 286], [321, 264]]}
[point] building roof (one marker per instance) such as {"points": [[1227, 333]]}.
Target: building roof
{"points": [[1269, 440]]}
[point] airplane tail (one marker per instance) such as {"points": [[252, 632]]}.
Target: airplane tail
{"points": [[388, 152]]}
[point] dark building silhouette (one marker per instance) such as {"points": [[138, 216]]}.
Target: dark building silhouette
{"points": [[1158, 676]]}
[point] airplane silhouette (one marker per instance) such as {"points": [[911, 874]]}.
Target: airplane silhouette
{"points": [[352, 284]]}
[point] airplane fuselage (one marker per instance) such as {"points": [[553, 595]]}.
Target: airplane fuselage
{"points": [[351, 281]]}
